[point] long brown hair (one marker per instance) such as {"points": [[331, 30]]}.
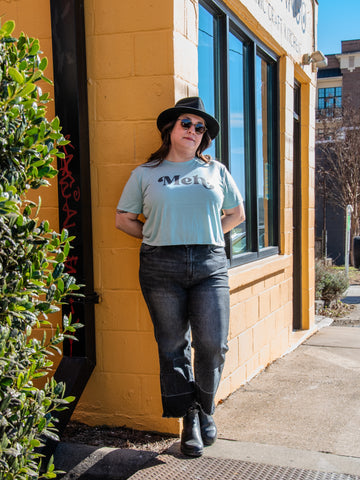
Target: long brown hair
{"points": [[162, 152]]}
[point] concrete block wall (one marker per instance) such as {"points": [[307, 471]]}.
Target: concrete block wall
{"points": [[260, 322]]}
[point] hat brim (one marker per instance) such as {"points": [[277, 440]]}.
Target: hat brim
{"points": [[170, 114]]}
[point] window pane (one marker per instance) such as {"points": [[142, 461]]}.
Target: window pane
{"points": [[329, 102], [237, 143], [265, 190], [321, 92], [206, 65]]}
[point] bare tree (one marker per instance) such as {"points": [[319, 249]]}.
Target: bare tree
{"points": [[338, 162]]}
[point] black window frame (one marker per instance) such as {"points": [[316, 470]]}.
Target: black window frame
{"points": [[225, 22]]}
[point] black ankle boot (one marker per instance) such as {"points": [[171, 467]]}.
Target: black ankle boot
{"points": [[191, 442], [207, 428]]}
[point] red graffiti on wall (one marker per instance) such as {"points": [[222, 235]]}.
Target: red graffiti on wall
{"points": [[69, 195], [67, 191], [71, 262]]}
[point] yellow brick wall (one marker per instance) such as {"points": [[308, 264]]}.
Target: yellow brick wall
{"points": [[261, 316], [141, 58]]}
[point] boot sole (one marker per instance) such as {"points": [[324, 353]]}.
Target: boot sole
{"points": [[208, 443], [191, 453]]}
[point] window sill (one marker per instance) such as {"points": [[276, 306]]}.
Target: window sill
{"points": [[243, 275]]}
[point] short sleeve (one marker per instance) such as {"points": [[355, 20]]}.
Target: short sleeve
{"points": [[131, 199], [232, 195]]}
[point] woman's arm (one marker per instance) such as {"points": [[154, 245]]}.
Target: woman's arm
{"points": [[129, 223], [232, 217]]}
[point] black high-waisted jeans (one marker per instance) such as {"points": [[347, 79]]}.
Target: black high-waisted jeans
{"points": [[187, 293]]}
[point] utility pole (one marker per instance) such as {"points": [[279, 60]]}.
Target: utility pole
{"points": [[349, 210]]}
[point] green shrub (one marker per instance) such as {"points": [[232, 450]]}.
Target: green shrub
{"points": [[33, 283], [319, 279], [330, 284]]}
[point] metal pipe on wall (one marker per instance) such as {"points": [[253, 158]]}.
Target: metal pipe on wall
{"points": [[71, 106]]}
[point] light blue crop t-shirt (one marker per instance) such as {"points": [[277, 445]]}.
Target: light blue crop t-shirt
{"points": [[181, 201]]}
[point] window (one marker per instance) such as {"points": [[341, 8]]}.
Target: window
{"points": [[238, 83], [206, 64], [329, 98], [237, 131]]}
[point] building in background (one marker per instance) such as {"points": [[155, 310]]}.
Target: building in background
{"points": [[337, 83], [116, 66]]}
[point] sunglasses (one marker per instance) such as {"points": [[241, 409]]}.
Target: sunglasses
{"points": [[187, 124]]}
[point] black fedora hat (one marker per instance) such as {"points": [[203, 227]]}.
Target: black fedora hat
{"points": [[192, 105]]}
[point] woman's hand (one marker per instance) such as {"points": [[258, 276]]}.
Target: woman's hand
{"points": [[232, 218], [129, 223]]}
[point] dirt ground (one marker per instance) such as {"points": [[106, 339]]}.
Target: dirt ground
{"points": [[116, 437], [122, 437]]}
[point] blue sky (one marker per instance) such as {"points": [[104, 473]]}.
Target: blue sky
{"points": [[338, 20]]}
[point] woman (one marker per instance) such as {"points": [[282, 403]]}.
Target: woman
{"points": [[183, 266]]}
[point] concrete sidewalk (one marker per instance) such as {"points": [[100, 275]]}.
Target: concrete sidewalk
{"points": [[298, 419]]}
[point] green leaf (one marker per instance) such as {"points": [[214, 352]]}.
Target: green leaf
{"points": [[67, 249], [49, 475], [35, 47], [66, 321], [77, 325], [71, 337], [47, 80], [29, 88], [60, 257], [58, 270], [41, 425], [57, 349], [7, 28], [64, 235], [12, 452], [60, 285], [43, 63], [64, 142], [43, 306], [55, 124], [36, 76], [20, 380], [23, 65], [35, 443], [16, 75], [6, 382], [69, 399]]}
